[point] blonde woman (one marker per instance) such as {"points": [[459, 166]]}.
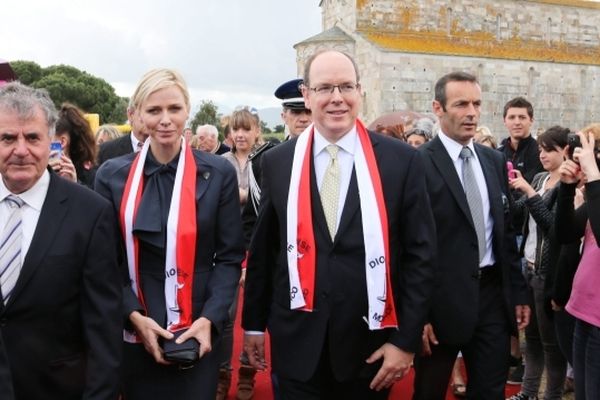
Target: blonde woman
{"points": [[180, 272]]}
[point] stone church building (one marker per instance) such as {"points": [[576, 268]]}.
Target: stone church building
{"points": [[545, 50]]}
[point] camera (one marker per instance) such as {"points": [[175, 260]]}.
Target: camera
{"points": [[573, 141]]}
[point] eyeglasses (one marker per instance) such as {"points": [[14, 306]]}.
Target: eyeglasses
{"points": [[326, 89], [251, 110]]}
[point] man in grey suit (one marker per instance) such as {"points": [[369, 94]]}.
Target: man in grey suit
{"points": [[60, 307], [480, 294]]}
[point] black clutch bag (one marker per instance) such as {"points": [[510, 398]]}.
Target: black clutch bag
{"points": [[184, 353]]}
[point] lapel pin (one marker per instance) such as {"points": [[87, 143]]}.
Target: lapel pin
{"points": [[206, 175]]}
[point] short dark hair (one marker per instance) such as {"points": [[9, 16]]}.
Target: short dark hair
{"points": [[457, 76], [518, 102], [553, 137], [312, 58]]}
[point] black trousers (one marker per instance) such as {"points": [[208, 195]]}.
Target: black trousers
{"points": [[486, 355], [323, 385]]}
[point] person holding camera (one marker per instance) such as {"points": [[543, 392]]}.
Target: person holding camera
{"points": [[571, 225], [540, 249], [179, 217]]}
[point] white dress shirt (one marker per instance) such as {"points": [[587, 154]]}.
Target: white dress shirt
{"points": [[345, 157], [34, 200], [134, 143], [454, 148]]}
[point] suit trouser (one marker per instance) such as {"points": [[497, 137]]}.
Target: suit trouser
{"points": [[323, 385], [486, 355]]}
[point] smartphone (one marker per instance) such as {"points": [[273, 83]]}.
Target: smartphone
{"points": [[55, 151], [573, 141], [512, 174]]}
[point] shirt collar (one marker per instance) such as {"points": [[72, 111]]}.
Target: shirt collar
{"points": [[453, 147], [134, 141], [34, 197], [346, 142]]}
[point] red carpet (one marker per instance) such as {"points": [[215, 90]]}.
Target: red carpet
{"points": [[401, 390]]}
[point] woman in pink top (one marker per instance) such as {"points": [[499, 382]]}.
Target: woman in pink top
{"points": [[571, 225]]}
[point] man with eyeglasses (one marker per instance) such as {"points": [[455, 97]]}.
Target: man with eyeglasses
{"points": [[340, 263]]}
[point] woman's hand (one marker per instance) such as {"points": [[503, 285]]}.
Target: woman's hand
{"points": [[64, 167], [200, 330], [519, 183], [149, 332], [586, 157], [569, 172]]}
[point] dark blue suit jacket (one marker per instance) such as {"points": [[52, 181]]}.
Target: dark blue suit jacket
{"points": [[219, 245], [61, 330], [114, 148], [455, 302]]}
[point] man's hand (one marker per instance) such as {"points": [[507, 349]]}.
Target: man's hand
{"points": [[523, 313], [396, 364], [149, 331], [429, 339], [200, 330], [254, 346]]}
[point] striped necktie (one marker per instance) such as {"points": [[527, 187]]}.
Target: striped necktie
{"points": [[10, 247]]}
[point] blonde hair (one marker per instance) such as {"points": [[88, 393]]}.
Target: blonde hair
{"points": [[593, 128], [111, 130], [483, 130], [491, 139], [158, 79]]}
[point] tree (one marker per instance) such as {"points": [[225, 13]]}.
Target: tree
{"points": [[279, 128], [27, 71], [264, 128], [68, 84], [208, 113]]}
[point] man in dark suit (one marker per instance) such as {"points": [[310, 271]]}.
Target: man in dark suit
{"points": [[480, 291], [60, 314], [327, 339], [126, 144]]}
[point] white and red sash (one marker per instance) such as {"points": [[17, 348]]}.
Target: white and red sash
{"points": [[301, 246], [181, 237]]}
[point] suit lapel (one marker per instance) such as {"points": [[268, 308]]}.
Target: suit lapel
{"points": [[49, 224], [442, 161], [493, 188], [204, 175], [351, 205]]}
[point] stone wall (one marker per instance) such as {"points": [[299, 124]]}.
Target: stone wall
{"points": [[545, 50]]}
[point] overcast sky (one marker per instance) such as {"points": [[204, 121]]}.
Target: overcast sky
{"points": [[234, 52]]}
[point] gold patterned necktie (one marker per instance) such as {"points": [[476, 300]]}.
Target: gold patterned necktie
{"points": [[10, 247], [330, 190]]}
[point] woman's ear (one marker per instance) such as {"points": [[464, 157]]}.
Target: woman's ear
{"points": [[63, 139]]}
